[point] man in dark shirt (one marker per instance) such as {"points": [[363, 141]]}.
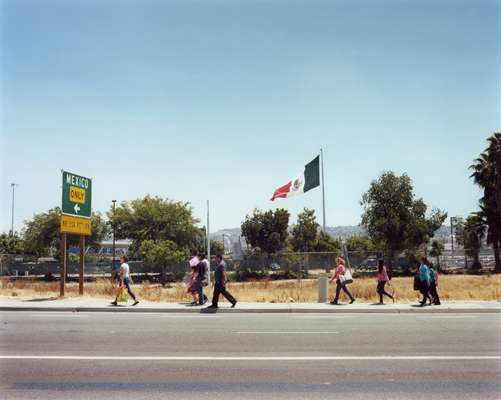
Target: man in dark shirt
{"points": [[220, 284]]}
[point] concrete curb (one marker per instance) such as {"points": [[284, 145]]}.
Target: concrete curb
{"points": [[122, 309]]}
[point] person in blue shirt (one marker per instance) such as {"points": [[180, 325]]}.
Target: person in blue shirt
{"points": [[424, 280]]}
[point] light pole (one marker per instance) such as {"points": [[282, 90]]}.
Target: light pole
{"points": [[13, 186], [113, 230]]}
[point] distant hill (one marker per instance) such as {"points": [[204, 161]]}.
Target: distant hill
{"points": [[232, 234]]}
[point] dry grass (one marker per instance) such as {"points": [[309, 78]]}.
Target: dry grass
{"points": [[452, 287]]}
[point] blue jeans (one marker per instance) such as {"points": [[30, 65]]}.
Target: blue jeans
{"points": [[127, 283], [200, 291]]}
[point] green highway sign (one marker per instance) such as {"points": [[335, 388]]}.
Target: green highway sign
{"points": [[77, 195]]}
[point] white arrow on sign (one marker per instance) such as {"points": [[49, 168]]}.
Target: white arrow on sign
{"points": [[76, 208]]}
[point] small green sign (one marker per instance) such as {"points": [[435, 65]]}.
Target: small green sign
{"points": [[77, 195]]}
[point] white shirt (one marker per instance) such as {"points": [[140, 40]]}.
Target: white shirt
{"points": [[124, 270]]}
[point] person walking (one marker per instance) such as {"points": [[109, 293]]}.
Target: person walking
{"points": [[424, 280], [125, 280], [191, 280], [201, 278], [382, 280], [338, 276], [433, 286], [220, 284]]}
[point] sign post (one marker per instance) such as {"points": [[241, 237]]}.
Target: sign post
{"points": [[75, 219]]}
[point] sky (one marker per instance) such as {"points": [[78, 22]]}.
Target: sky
{"points": [[228, 100]]}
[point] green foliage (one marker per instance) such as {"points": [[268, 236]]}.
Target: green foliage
{"points": [[436, 251], [326, 243], [436, 248], [359, 243], [474, 232], [487, 174], [304, 233], [156, 219], [42, 237], [266, 231], [394, 218], [216, 247], [162, 253], [11, 244]]}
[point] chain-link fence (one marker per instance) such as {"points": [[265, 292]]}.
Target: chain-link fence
{"points": [[252, 266]]}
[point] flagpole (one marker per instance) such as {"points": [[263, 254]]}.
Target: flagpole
{"points": [[208, 245], [323, 187]]}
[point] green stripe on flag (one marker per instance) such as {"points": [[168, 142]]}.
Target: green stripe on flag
{"points": [[312, 174]]}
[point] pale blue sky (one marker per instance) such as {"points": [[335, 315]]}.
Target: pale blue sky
{"points": [[227, 100]]}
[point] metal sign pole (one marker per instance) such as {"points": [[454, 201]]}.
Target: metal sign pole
{"points": [[81, 266], [62, 268]]}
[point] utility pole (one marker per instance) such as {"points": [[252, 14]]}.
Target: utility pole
{"points": [[13, 186], [113, 230]]}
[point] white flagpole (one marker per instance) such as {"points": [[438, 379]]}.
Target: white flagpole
{"points": [[323, 187], [208, 244]]}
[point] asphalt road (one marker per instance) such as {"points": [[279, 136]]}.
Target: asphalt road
{"points": [[247, 356]]}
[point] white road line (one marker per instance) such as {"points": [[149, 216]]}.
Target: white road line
{"points": [[249, 358], [284, 333], [447, 316], [58, 315]]}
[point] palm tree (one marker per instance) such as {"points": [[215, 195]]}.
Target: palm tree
{"points": [[474, 232], [487, 174]]}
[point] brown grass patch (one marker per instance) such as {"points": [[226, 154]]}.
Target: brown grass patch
{"points": [[451, 287]]}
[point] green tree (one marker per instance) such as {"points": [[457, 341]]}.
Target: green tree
{"points": [[326, 243], [474, 233], [436, 251], [216, 247], [394, 218], [162, 253], [154, 218], [42, 237], [266, 231], [11, 244], [486, 174], [304, 232], [360, 243]]}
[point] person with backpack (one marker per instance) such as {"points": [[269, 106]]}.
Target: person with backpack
{"points": [[201, 278], [424, 280], [339, 275], [383, 279], [433, 286]]}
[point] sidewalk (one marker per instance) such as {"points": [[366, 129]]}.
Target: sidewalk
{"points": [[87, 304]]}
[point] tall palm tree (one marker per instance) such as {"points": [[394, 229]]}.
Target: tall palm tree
{"points": [[486, 174]]}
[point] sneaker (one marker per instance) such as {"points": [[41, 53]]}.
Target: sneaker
{"points": [[135, 303], [114, 303], [233, 304], [334, 303]]}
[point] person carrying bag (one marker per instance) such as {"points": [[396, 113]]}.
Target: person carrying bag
{"points": [[343, 277]]}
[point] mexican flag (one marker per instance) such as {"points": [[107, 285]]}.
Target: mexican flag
{"points": [[307, 180]]}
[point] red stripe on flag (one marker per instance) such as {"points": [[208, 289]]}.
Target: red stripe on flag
{"points": [[282, 191]]}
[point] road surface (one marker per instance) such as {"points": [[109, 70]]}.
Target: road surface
{"points": [[62, 355]]}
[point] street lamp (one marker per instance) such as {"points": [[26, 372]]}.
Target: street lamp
{"points": [[13, 186]]}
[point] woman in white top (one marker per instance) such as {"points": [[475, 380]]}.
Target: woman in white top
{"points": [[125, 280]]}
